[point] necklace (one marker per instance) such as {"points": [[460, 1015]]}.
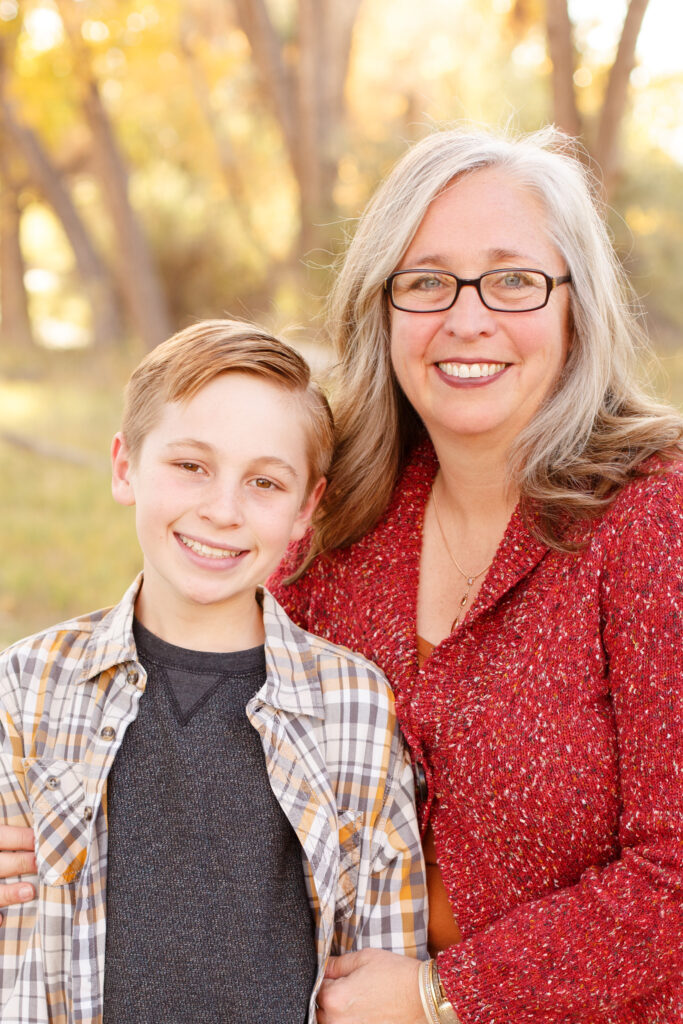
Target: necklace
{"points": [[468, 577]]}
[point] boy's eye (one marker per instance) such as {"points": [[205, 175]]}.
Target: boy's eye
{"points": [[190, 467], [264, 484]]}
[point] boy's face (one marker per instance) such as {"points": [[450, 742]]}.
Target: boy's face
{"points": [[219, 486]]}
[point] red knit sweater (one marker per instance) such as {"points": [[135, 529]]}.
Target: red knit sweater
{"points": [[550, 727]]}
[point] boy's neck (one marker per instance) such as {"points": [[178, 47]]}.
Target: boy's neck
{"points": [[200, 628]]}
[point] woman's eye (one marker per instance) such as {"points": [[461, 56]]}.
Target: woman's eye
{"points": [[428, 284], [515, 280]]}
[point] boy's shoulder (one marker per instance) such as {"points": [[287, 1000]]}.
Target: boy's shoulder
{"points": [[75, 646], [308, 663]]}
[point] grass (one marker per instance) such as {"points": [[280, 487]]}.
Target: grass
{"points": [[68, 547]]}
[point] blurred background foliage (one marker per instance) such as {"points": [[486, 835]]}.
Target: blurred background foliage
{"points": [[166, 160]]}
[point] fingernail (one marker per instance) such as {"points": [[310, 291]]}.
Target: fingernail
{"points": [[25, 892]]}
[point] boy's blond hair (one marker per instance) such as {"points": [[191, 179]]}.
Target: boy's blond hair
{"points": [[178, 368]]}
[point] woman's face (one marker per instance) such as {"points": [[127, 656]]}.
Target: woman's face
{"points": [[469, 371]]}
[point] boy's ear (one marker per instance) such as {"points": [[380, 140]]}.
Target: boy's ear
{"points": [[305, 514], [121, 482]]}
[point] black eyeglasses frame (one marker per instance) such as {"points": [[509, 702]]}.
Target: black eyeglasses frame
{"points": [[474, 282]]}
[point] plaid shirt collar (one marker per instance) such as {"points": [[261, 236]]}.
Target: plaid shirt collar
{"points": [[111, 642], [297, 691]]}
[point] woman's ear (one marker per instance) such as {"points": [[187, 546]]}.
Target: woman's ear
{"points": [[121, 471]]}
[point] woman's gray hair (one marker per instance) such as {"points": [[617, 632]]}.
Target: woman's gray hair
{"points": [[597, 425]]}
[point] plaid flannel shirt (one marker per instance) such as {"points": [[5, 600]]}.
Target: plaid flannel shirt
{"points": [[336, 764]]}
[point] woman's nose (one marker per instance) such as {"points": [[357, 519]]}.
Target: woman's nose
{"points": [[468, 317]]}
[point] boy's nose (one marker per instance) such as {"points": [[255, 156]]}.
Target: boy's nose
{"points": [[222, 505]]}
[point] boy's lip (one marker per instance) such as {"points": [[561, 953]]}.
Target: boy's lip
{"points": [[208, 551]]}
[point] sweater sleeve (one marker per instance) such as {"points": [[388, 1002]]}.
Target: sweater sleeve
{"points": [[613, 941]]}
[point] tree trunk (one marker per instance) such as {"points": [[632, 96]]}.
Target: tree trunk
{"points": [[137, 273], [606, 150], [561, 49], [16, 327], [106, 321], [227, 159], [325, 36], [308, 102]]}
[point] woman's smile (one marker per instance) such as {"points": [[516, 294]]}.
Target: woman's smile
{"points": [[469, 372]]}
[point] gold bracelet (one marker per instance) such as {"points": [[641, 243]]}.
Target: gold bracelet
{"points": [[445, 1010], [424, 983]]}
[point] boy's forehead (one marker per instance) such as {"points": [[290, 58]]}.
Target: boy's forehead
{"points": [[237, 411]]}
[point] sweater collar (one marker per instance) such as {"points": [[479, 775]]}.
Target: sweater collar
{"points": [[519, 551]]}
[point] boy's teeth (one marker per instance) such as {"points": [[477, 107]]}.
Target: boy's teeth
{"points": [[205, 550], [466, 370]]}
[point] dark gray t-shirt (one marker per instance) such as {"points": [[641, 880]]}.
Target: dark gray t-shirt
{"points": [[207, 914]]}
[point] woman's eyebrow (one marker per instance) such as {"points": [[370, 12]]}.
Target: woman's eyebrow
{"points": [[436, 260], [505, 255]]}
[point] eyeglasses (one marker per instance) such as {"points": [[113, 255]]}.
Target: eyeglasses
{"points": [[514, 290]]}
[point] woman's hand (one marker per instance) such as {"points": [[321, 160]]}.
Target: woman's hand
{"points": [[16, 858], [370, 987]]}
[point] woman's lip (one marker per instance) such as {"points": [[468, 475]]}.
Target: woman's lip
{"points": [[478, 371]]}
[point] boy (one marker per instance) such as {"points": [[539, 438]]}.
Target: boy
{"points": [[196, 863]]}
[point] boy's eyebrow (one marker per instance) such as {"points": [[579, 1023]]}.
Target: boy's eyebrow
{"points": [[262, 460], [193, 442], [274, 460]]}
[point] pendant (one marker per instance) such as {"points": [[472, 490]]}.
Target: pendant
{"points": [[463, 602]]}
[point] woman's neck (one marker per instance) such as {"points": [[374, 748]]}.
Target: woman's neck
{"points": [[473, 483]]}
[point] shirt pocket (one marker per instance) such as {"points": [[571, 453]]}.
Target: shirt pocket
{"points": [[56, 794], [350, 839]]}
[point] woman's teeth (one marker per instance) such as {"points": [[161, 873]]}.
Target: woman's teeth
{"points": [[206, 551], [467, 370]]}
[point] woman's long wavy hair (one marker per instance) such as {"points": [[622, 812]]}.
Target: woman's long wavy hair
{"points": [[592, 434]]}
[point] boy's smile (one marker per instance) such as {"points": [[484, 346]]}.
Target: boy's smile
{"points": [[219, 486]]}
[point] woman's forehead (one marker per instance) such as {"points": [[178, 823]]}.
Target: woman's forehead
{"points": [[487, 213]]}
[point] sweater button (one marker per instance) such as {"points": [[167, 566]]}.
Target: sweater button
{"points": [[421, 790]]}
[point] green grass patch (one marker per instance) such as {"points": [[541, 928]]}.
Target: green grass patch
{"points": [[68, 548]]}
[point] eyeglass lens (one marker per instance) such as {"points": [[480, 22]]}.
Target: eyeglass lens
{"points": [[423, 291]]}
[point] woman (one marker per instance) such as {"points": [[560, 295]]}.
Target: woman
{"points": [[503, 535], [505, 510]]}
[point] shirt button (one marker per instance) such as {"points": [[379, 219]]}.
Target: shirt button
{"points": [[53, 782], [87, 813], [108, 733], [421, 789], [132, 677]]}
